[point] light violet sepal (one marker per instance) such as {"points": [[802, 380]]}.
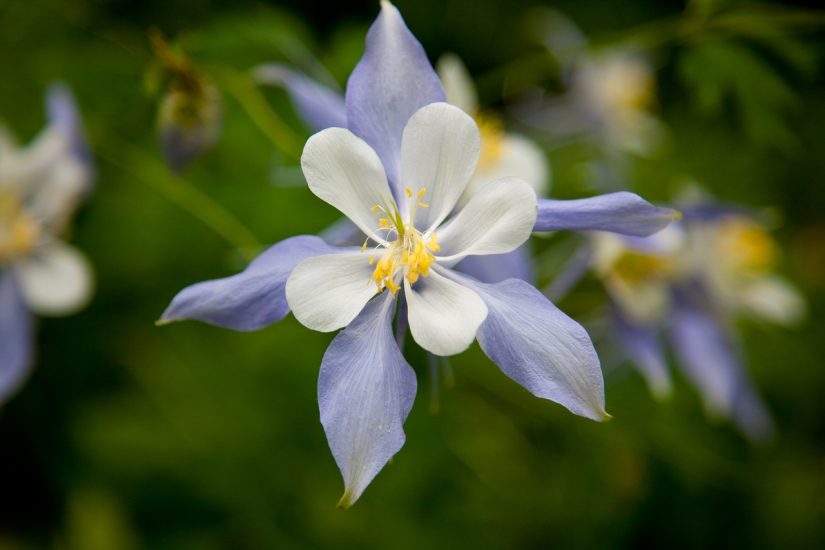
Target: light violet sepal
{"points": [[366, 390], [15, 336], [622, 212], [541, 348], [643, 346], [496, 268], [319, 106], [393, 80], [63, 115], [707, 355], [253, 298]]}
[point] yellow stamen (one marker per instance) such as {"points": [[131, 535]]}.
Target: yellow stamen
{"points": [[635, 267], [492, 140], [19, 232], [746, 246], [410, 255]]}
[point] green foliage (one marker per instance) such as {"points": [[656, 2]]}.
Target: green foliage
{"points": [[720, 74]]}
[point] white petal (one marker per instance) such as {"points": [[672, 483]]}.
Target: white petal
{"points": [[342, 170], [774, 300], [439, 151], [59, 192], [498, 219], [521, 158], [645, 302], [458, 85], [56, 280], [444, 315], [49, 177], [326, 292]]}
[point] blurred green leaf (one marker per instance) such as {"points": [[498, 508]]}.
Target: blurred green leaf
{"points": [[717, 72]]}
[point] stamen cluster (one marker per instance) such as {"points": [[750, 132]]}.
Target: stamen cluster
{"points": [[18, 231], [409, 251]]}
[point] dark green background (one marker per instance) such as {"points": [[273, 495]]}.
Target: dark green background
{"points": [[189, 436]]}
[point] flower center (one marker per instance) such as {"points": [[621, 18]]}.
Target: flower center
{"points": [[19, 233], [627, 86], [492, 140], [634, 267], [408, 252], [746, 247]]}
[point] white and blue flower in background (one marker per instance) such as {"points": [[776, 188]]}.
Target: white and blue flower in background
{"points": [[688, 284], [40, 187], [607, 100], [397, 162]]}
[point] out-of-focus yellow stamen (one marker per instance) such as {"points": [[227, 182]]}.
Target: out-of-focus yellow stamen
{"points": [[492, 140], [746, 246], [635, 267], [19, 232]]}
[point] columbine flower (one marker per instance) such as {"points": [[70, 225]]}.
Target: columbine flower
{"points": [[398, 172], [39, 189], [607, 99], [690, 281], [616, 90], [366, 388], [607, 102]]}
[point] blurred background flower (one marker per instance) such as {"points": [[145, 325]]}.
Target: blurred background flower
{"points": [[130, 436], [40, 186]]}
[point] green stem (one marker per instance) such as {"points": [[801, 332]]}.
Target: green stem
{"points": [[151, 171], [245, 91]]}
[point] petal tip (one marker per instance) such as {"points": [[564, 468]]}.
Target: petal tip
{"points": [[348, 498], [662, 392]]}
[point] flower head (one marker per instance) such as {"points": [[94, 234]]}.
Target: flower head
{"points": [[413, 247], [398, 172], [40, 186], [689, 282]]}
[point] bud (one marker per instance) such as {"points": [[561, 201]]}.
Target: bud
{"points": [[189, 117]]}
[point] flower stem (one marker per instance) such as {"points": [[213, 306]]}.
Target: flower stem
{"points": [[245, 91], [152, 172]]}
